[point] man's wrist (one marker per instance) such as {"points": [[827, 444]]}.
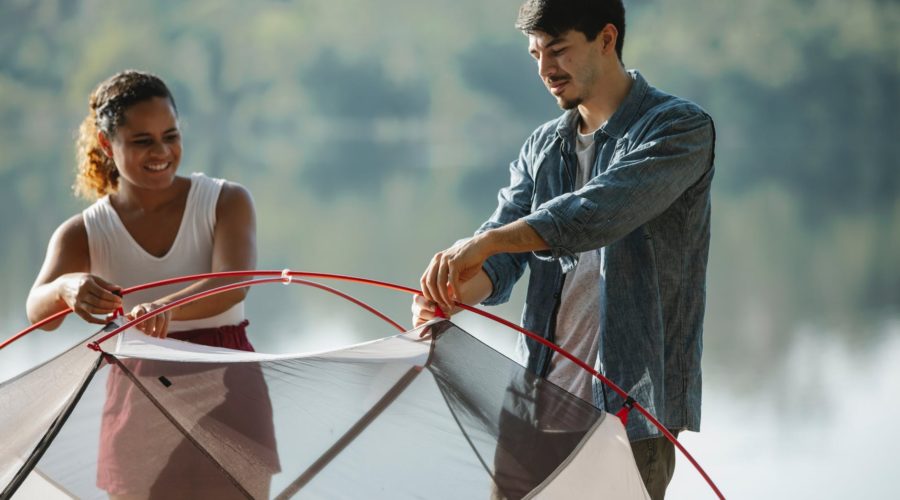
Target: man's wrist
{"points": [[515, 237], [487, 243]]}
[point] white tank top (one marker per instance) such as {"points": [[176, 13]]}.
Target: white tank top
{"points": [[117, 257]]}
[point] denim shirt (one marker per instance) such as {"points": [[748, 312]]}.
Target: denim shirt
{"points": [[647, 210]]}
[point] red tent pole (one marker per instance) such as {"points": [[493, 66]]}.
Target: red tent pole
{"points": [[287, 276]]}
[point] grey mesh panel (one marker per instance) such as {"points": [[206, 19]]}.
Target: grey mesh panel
{"points": [[522, 427], [30, 402]]}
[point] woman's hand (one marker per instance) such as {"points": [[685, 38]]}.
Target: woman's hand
{"points": [[89, 295], [156, 326]]}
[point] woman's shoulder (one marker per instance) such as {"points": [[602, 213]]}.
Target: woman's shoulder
{"points": [[234, 195], [71, 234], [234, 200], [229, 192]]}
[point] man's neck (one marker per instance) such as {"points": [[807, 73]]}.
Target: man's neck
{"points": [[605, 100]]}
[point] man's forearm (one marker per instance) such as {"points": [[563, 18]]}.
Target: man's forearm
{"points": [[449, 269], [475, 290], [515, 237]]}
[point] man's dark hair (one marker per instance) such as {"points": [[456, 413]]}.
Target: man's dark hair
{"points": [[555, 17]]}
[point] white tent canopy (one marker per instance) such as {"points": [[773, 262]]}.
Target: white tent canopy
{"points": [[401, 417]]}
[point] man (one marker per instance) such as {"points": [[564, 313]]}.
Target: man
{"points": [[609, 207]]}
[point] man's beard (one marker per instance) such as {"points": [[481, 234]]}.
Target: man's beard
{"points": [[564, 103], [568, 104]]}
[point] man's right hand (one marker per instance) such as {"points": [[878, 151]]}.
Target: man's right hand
{"points": [[470, 291], [450, 270], [89, 295]]}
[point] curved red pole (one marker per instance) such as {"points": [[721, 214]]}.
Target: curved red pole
{"points": [[612, 385], [286, 276], [241, 284], [48, 319], [226, 274]]}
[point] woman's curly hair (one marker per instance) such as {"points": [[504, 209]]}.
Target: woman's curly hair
{"points": [[96, 174]]}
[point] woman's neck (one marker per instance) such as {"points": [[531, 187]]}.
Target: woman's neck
{"points": [[133, 198]]}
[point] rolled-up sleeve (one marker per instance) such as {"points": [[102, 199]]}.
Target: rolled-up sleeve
{"points": [[513, 203], [637, 187]]}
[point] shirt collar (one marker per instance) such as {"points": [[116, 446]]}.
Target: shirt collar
{"points": [[619, 122]]}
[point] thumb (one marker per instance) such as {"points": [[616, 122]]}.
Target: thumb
{"points": [[112, 287], [453, 284]]}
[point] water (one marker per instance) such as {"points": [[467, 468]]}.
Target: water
{"points": [[825, 430]]}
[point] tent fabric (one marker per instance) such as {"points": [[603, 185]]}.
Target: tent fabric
{"points": [[402, 417], [132, 343], [32, 401]]}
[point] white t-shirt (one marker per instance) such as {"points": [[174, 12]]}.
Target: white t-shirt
{"points": [[578, 318], [117, 257]]}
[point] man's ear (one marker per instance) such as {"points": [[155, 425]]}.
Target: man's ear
{"points": [[608, 36], [105, 145]]}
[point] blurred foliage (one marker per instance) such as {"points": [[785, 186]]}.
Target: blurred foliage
{"points": [[373, 134]]}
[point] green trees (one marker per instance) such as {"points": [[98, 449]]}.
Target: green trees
{"points": [[381, 132]]}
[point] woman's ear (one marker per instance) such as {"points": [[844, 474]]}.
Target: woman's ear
{"points": [[105, 145]]}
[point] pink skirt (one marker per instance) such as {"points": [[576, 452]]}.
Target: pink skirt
{"points": [[143, 452]]}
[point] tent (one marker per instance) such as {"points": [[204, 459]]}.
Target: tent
{"points": [[443, 416]]}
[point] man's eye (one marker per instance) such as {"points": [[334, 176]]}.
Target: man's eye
{"points": [[173, 138], [557, 52]]}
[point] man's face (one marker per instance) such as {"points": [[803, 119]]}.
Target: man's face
{"points": [[568, 64]]}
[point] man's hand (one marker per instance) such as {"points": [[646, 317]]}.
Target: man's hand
{"points": [[456, 274], [423, 311], [451, 268]]}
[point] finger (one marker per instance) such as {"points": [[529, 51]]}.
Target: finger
{"points": [[423, 318], [103, 300], [92, 308], [114, 294], [429, 288], [452, 287], [157, 326], [416, 311], [149, 327], [145, 325], [444, 301], [142, 326], [164, 320], [106, 285], [85, 315], [422, 311], [423, 304]]}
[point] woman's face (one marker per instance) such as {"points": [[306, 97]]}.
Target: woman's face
{"points": [[146, 148]]}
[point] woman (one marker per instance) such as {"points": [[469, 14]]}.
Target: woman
{"points": [[148, 223]]}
